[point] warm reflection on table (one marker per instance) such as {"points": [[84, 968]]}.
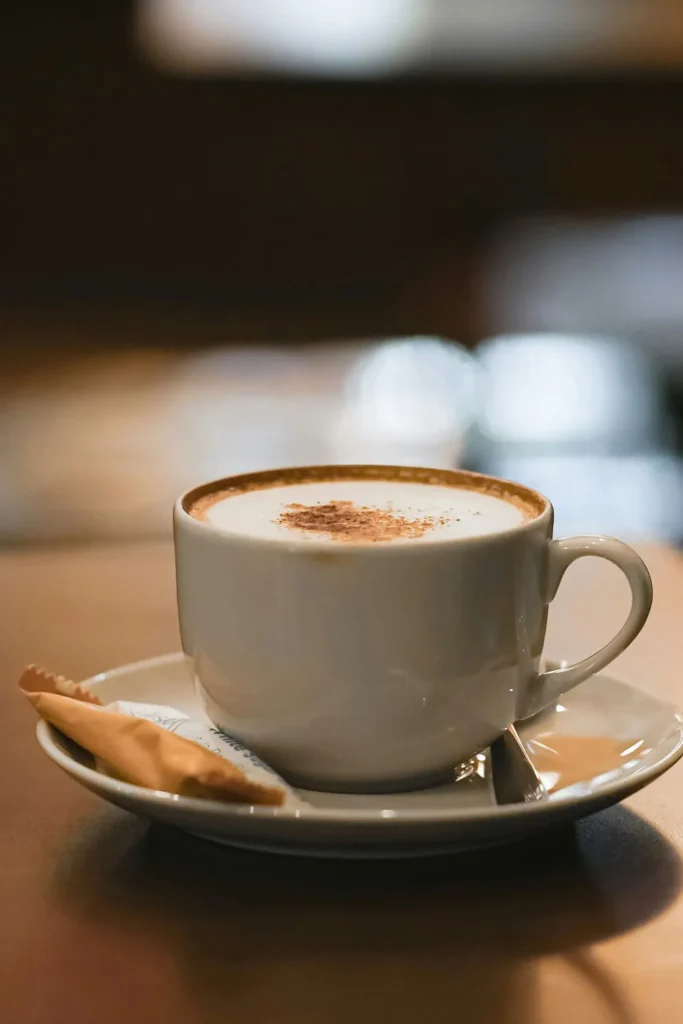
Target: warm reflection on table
{"points": [[106, 919]]}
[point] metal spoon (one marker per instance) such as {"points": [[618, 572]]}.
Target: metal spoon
{"points": [[515, 780]]}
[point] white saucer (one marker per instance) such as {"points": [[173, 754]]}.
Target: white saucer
{"points": [[627, 739]]}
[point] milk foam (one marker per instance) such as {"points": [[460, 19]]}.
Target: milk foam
{"points": [[453, 512]]}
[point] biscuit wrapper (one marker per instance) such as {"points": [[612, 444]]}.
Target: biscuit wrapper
{"points": [[141, 751], [208, 736]]}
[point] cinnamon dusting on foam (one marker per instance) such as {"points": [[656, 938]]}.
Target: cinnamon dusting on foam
{"points": [[344, 520], [198, 501]]}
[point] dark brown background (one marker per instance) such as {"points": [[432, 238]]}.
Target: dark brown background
{"points": [[277, 207]]}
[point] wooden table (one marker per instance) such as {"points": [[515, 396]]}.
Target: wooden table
{"points": [[105, 919]]}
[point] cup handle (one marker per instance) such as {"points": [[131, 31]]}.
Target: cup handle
{"points": [[548, 686]]}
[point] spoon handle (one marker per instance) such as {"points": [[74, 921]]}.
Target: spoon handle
{"points": [[515, 780]]}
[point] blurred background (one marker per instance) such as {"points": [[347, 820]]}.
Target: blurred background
{"points": [[246, 233]]}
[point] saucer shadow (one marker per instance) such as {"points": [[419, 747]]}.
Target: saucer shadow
{"points": [[363, 938]]}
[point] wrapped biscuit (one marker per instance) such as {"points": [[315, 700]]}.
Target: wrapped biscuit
{"points": [[39, 680], [208, 736], [143, 752]]}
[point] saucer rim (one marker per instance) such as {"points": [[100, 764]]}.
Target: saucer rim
{"points": [[611, 792]]}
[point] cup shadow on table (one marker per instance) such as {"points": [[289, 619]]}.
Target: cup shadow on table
{"points": [[420, 939]]}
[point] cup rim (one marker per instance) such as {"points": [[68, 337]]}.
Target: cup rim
{"points": [[527, 498]]}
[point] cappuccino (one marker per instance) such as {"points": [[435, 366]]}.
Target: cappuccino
{"points": [[362, 510], [368, 627]]}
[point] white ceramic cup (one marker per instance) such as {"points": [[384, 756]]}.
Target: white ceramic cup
{"points": [[379, 666]]}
